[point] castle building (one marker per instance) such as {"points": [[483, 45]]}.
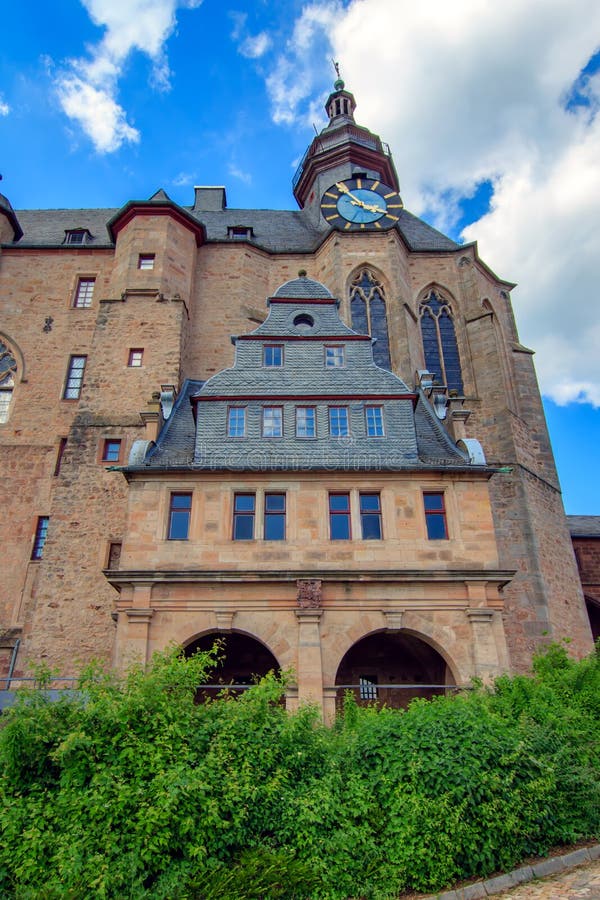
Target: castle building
{"points": [[358, 486]]}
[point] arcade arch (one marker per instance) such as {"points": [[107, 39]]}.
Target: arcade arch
{"points": [[392, 668]]}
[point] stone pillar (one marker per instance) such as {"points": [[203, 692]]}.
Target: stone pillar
{"points": [[310, 668], [133, 627], [485, 655]]}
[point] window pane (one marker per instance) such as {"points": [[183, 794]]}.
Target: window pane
{"points": [[112, 450], [244, 502], [436, 527], [275, 502], [272, 421], [74, 377], [274, 529], [236, 423], [85, 292], [374, 416], [41, 533], [306, 422], [434, 501], [179, 517], [334, 356], [243, 517], [339, 517], [370, 516], [273, 355], [338, 421]]}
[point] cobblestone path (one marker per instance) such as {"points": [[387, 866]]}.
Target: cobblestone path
{"points": [[582, 883]]}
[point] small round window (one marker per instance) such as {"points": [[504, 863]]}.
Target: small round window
{"points": [[303, 322]]}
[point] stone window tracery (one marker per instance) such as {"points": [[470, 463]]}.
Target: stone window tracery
{"points": [[369, 314], [8, 371], [439, 341]]}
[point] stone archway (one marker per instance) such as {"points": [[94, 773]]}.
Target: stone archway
{"points": [[380, 667], [243, 660]]}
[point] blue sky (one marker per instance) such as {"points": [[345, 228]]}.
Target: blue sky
{"points": [[491, 112]]}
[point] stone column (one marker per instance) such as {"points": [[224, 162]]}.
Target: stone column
{"points": [[133, 627], [485, 655], [310, 668]]}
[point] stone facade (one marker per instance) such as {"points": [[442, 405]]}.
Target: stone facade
{"points": [[484, 599]]}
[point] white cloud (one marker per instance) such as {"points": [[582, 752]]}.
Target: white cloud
{"points": [[183, 179], [298, 72], [87, 89], [253, 47], [4, 107], [475, 90], [238, 173]]}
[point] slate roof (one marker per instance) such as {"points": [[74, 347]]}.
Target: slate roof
{"points": [[275, 230], [411, 438], [584, 526]]}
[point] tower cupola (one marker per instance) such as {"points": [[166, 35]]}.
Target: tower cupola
{"points": [[340, 105]]}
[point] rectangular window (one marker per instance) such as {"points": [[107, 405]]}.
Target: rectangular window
{"points": [[74, 380], [274, 526], [338, 421], [39, 540], [244, 506], [435, 516], [272, 421], [339, 517], [368, 687], [370, 517], [334, 356], [236, 421], [374, 420], [111, 450], [306, 422], [84, 293], [146, 261], [136, 356], [273, 355], [180, 510]]}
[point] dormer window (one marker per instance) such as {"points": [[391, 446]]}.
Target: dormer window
{"points": [[77, 236], [240, 232], [273, 355], [334, 356]]}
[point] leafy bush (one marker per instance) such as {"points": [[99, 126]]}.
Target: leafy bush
{"points": [[129, 789]]}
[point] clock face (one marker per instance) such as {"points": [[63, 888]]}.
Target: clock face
{"points": [[361, 203]]}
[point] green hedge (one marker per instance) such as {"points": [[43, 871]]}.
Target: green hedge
{"points": [[131, 790]]}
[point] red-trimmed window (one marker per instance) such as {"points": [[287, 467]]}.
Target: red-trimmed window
{"points": [[84, 293], [374, 421], [136, 357], [339, 517], [274, 524], [435, 515], [111, 450], [370, 516], [236, 421], [306, 422], [244, 510], [334, 356], [146, 261], [272, 422], [273, 355], [41, 532], [339, 425], [180, 510]]}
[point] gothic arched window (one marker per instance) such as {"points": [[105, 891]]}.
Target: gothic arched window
{"points": [[367, 308], [8, 369], [439, 342]]}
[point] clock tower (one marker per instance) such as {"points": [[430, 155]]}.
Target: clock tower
{"points": [[347, 178]]}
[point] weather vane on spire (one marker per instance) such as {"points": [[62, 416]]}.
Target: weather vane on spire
{"points": [[336, 66]]}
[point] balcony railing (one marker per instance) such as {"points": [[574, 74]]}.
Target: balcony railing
{"points": [[336, 138]]}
